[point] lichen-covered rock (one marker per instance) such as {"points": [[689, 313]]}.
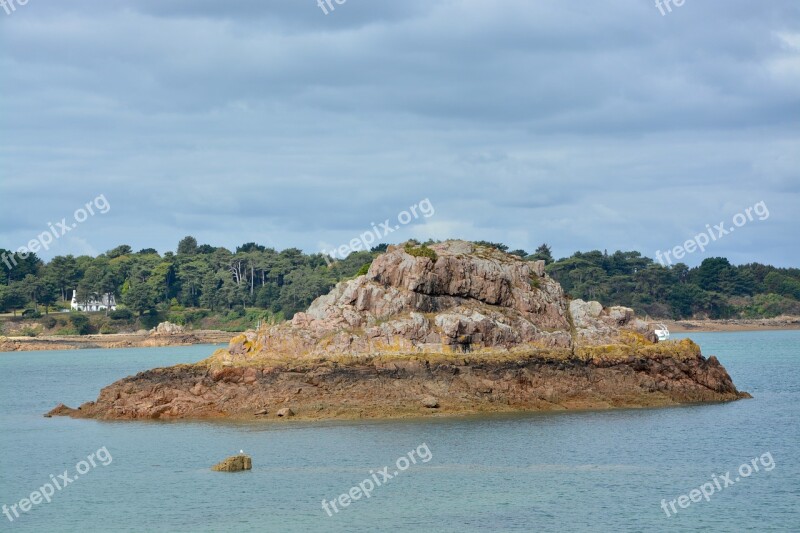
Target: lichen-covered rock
{"points": [[470, 298], [584, 312], [596, 325], [167, 328], [430, 402], [597, 377], [538, 268], [60, 410], [235, 463]]}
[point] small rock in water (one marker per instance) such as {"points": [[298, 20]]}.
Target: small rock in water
{"points": [[285, 412], [60, 410], [235, 463]]}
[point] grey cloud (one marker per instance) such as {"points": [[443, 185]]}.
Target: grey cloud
{"points": [[584, 124]]}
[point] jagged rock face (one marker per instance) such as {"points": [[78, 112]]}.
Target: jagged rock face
{"points": [[595, 324], [469, 298]]}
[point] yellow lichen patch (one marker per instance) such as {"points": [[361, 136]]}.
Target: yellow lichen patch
{"points": [[605, 352], [683, 349], [639, 347], [635, 346], [633, 338], [238, 339]]}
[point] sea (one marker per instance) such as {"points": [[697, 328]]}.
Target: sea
{"points": [[713, 467]]}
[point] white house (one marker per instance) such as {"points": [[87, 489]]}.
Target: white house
{"points": [[105, 302]]}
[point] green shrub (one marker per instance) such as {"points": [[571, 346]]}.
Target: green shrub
{"points": [[195, 316], [29, 332], [254, 315], [107, 329], [49, 322], [177, 318], [120, 314], [771, 305], [364, 269], [420, 251], [31, 313], [149, 321], [81, 323], [236, 312]]}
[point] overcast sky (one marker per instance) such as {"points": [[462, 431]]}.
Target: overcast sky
{"points": [[583, 124]]}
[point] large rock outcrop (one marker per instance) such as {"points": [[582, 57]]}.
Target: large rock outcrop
{"points": [[468, 298], [471, 326]]}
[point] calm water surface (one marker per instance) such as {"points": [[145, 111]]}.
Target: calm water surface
{"points": [[583, 471]]}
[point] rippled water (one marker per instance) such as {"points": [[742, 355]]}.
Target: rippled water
{"points": [[580, 471]]}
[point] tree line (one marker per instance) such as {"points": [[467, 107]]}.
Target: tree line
{"points": [[200, 276], [714, 289], [285, 282]]}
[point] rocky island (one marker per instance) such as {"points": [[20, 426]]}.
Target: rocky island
{"points": [[452, 328]]}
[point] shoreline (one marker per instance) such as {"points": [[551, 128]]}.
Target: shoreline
{"points": [[114, 340], [417, 415], [778, 323], [189, 338]]}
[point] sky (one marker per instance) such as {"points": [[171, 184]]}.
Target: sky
{"points": [[582, 124]]}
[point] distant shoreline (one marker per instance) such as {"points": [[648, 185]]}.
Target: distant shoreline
{"points": [[734, 324], [115, 340], [190, 338]]}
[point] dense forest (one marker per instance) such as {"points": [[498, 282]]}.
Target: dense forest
{"points": [[281, 283]]}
